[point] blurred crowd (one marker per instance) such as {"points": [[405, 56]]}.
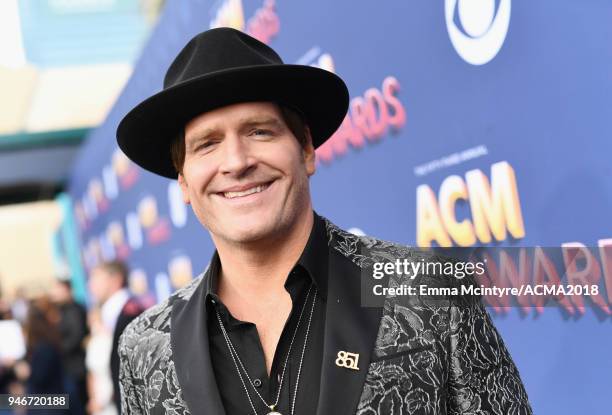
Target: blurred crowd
{"points": [[54, 345]]}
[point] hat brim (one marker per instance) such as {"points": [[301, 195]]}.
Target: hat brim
{"points": [[146, 132]]}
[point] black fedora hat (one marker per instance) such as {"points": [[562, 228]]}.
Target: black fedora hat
{"points": [[221, 67]]}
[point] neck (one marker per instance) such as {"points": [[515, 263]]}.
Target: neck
{"points": [[259, 271]]}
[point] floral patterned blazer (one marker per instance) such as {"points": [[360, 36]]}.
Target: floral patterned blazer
{"points": [[415, 357]]}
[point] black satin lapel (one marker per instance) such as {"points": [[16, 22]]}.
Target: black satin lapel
{"points": [[351, 328], [191, 355]]}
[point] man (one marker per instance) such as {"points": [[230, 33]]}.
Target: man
{"points": [[73, 330], [275, 324], [108, 287]]}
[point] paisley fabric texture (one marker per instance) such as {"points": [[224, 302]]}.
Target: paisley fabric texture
{"points": [[430, 357], [147, 377]]}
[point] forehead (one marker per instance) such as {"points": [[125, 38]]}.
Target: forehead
{"points": [[232, 115]]}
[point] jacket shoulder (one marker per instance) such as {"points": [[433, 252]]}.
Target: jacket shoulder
{"points": [[147, 375], [157, 317], [365, 250]]}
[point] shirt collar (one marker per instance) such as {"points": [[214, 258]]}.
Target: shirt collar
{"points": [[314, 260]]}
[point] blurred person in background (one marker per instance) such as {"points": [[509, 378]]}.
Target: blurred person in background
{"points": [[5, 308], [108, 286], [7, 374], [42, 370], [73, 331], [19, 305], [99, 382], [12, 350]]}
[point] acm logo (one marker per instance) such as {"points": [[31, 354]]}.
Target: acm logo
{"points": [[494, 205], [477, 28]]}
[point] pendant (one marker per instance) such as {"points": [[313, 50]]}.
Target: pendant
{"points": [[272, 411]]}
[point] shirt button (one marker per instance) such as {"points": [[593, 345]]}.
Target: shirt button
{"points": [[257, 383]]}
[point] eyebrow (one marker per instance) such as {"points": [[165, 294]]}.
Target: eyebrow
{"points": [[260, 121], [244, 124]]}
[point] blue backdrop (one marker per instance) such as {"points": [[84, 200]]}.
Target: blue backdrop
{"points": [[472, 122]]}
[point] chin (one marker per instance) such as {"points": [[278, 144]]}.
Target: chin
{"points": [[246, 236], [246, 231]]}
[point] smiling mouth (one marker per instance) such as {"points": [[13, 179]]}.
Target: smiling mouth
{"points": [[247, 192]]}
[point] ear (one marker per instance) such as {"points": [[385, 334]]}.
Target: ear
{"points": [[309, 154], [184, 188]]}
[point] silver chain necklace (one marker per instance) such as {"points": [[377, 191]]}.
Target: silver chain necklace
{"points": [[239, 365]]}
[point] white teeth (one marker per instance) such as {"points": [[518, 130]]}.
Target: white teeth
{"points": [[256, 189]]}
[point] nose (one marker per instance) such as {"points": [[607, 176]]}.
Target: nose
{"points": [[236, 156]]}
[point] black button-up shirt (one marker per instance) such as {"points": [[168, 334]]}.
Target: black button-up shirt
{"points": [[310, 272]]}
